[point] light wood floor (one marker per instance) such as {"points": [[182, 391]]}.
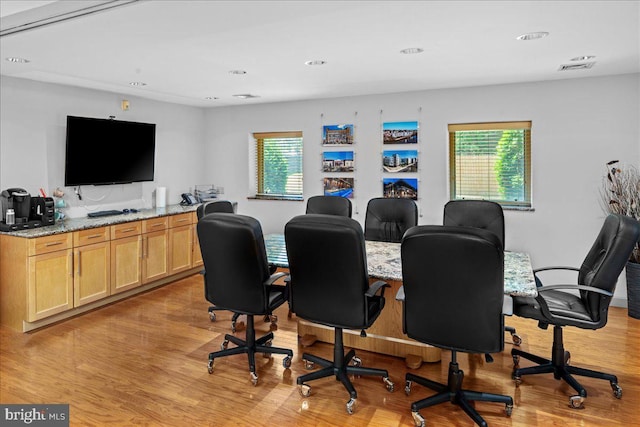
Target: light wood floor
{"points": [[143, 362]]}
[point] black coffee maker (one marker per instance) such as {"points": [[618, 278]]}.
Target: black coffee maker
{"points": [[17, 199]]}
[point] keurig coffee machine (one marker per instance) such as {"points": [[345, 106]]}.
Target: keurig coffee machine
{"points": [[28, 212]]}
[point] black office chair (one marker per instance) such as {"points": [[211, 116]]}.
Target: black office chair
{"points": [[387, 219], [453, 280], [585, 307], [330, 286], [205, 208], [329, 205], [482, 214], [237, 279]]}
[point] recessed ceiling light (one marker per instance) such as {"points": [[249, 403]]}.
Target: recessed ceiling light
{"points": [[315, 62], [238, 72], [533, 36], [211, 98], [583, 58], [412, 50], [16, 59], [138, 84], [245, 96]]}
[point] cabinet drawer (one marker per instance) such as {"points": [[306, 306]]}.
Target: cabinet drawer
{"points": [[52, 243], [92, 235], [126, 229], [154, 224], [179, 220]]}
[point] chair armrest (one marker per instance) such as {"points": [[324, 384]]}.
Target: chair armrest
{"points": [[575, 287], [373, 289], [556, 267], [274, 277]]}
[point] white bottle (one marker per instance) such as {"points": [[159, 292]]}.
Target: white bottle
{"points": [[11, 217]]}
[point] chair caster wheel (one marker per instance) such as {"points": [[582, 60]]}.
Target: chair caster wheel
{"points": [[417, 419], [407, 388], [517, 340], [356, 361], [305, 390], [308, 365], [224, 345], [516, 360], [517, 379], [508, 410], [212, 316], [351, 406], [233, 327], [254, 378], [286, 362], [268, 344], [210, 366], [617, 390], [576, 402], [389, 384]]}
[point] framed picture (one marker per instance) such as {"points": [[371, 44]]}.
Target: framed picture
{"points": [[400, 133], [340, 187], [397, 161], [337, 135], [403, 188], [337, 161]]}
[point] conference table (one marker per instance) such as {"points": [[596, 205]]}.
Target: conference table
{"points": [[385, 335]]}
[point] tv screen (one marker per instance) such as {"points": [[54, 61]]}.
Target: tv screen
{"points": [[104, 151]]}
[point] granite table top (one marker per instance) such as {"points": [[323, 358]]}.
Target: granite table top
{"points": [[384, 262], [77, 224]]}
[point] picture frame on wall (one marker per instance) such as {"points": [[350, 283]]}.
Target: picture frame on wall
{"points": [[338, 161], [337, 134], [339, 187], [400, 133], [400, 161], [401, 188]]}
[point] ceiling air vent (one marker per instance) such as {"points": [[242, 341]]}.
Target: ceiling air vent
{"points": [[570, 67]]}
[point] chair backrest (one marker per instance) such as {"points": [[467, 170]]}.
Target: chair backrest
{"points": [[453, 280], [605, 261], [235, 262], [206, 208], [387, 219], [329, 205], [482, 214], [328, 267]]}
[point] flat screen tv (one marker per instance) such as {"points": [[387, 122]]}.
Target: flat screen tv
{"points": [[104, 151]]}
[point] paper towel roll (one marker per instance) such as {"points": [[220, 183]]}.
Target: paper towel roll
{"points": [[161, 197]]}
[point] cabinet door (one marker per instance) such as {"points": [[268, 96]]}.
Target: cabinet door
{"points": [[155, 256], [180, 248], [50, 287], [125, 263], [91, 273], [197, 255]]}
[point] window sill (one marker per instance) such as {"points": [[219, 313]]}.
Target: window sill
{"points": [[283, 198], [518, 208]]}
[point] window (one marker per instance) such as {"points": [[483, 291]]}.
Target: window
{"points": [[491, 161], [278, 165]]}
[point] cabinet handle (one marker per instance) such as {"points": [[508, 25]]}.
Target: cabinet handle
{"points": [[127, 230], [71, 264], [157, 225], [145, 247], [94, 236], [182, 220], [48, 244], [79, 262]]}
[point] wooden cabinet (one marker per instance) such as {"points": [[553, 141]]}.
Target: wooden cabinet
{"points": [[180, 243], [91, 265], [50, 276], [155, 249], [126, 254], [196, 255]]}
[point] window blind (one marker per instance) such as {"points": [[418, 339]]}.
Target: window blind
{"points": [[491, 161], [279, 164]]}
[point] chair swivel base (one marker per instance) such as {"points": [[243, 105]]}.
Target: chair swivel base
{"points": [[250, 346], [453, 392], [341, 369], [559, 366]]}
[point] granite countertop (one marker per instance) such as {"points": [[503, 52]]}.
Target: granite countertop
{"points": [[76, 224], [384, 262]]}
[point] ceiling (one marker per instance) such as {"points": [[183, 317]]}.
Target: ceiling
{"points": [[184, 50]]}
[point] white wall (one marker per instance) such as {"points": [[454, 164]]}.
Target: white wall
{"points": [[577, 126], [32, 143]]}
